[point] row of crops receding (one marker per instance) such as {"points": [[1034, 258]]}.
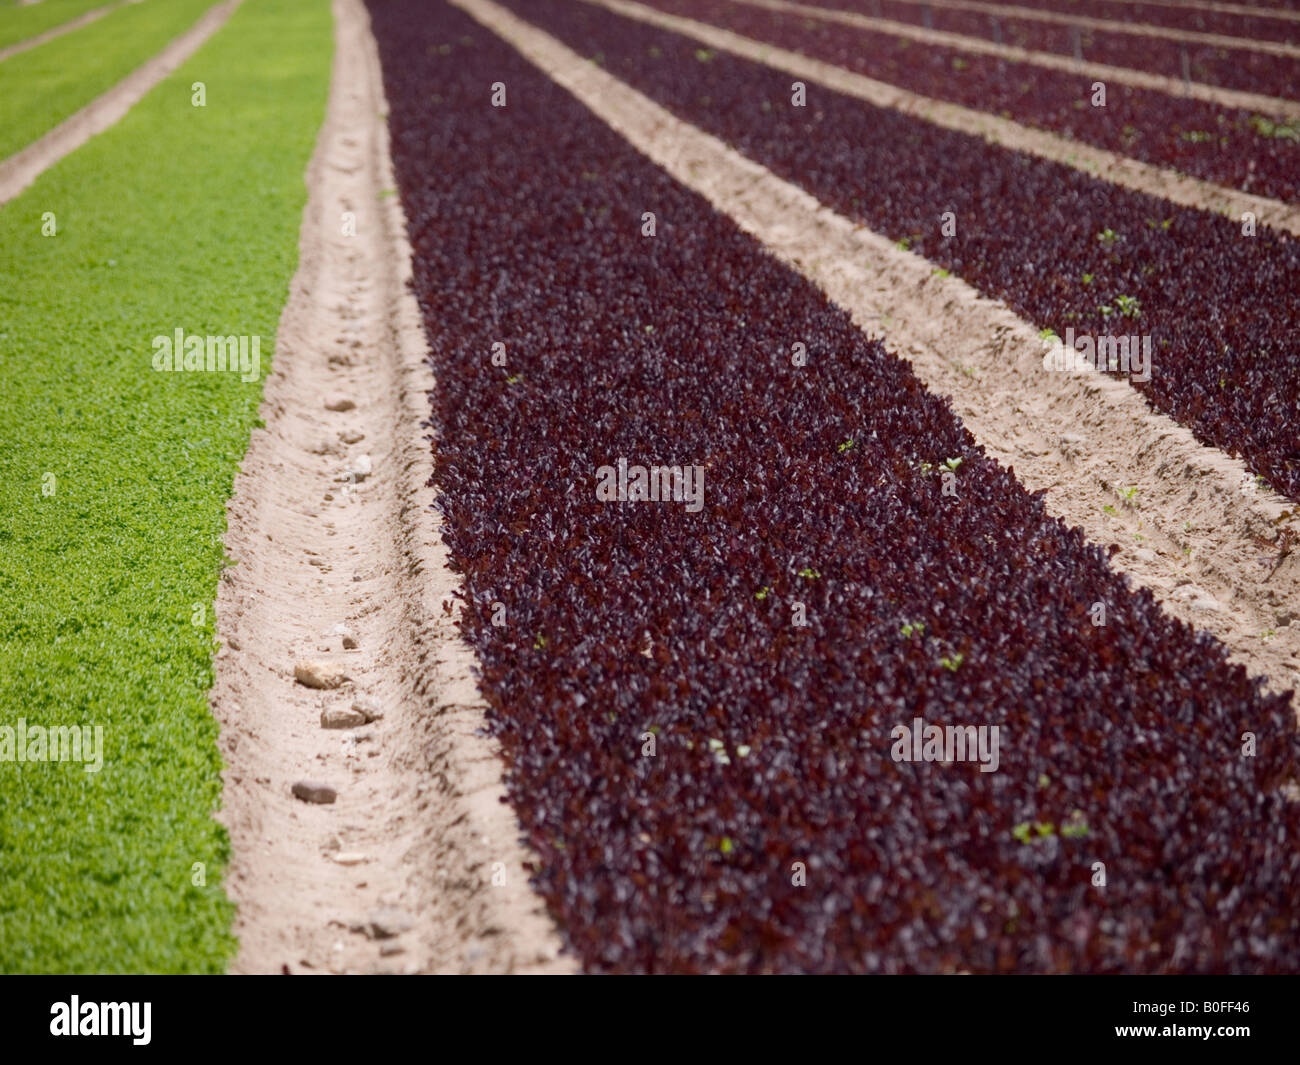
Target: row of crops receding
{"points": [[707, 782], [1063, 249], [1213, 64], [1253, 152], [1197, 18]]}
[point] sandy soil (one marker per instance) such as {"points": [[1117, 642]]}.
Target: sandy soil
{"points": [[22, 168], [1141, 29], [416, 866], [1250, 101], [1117, 169], [58, 31], [1085, 439]]}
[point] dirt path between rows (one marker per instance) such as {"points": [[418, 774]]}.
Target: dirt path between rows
{"points": [[1213, 94], [24, 167], [1136, 29], [58, 31], [1097, 162], [416, 866], [1086, 439]]}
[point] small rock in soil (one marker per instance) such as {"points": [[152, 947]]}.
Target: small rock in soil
{"points": [[348, 636], [359, 470], [338, 717], [312, 791], [369, 706], [318, 673], [350, 858], [351, 436], [387, 922], [339, 402]]}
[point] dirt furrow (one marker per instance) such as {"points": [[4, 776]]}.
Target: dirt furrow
{"points": [[416, 864], [24, 167], [1210, 547], [1109, 166], [1137, 29], [1249, 101]]}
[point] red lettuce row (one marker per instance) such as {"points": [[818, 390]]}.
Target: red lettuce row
{"points": [[772, 830], [1229, 68], [1065, 250], [1248, 151], [1260, 27]]}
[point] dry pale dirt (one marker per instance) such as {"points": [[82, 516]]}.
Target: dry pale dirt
{"points": [[417, 865]]}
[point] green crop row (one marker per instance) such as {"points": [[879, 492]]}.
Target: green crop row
{"points": [[42, 87], [113, 483], [19, 22]]}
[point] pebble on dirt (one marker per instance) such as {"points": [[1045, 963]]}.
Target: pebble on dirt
{"points": [[339, 402], [312, 791], [387, 922], [369, 706], [339, 717], [319, 673], [350, 858]]}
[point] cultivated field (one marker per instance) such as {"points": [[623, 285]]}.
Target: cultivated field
{"points": [[649, 486]]}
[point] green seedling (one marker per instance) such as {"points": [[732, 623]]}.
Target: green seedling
{"points": [[1129, 306]]}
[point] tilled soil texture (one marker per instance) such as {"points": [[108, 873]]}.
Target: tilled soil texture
{"points": [[698, 705], [1062, 249]]}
